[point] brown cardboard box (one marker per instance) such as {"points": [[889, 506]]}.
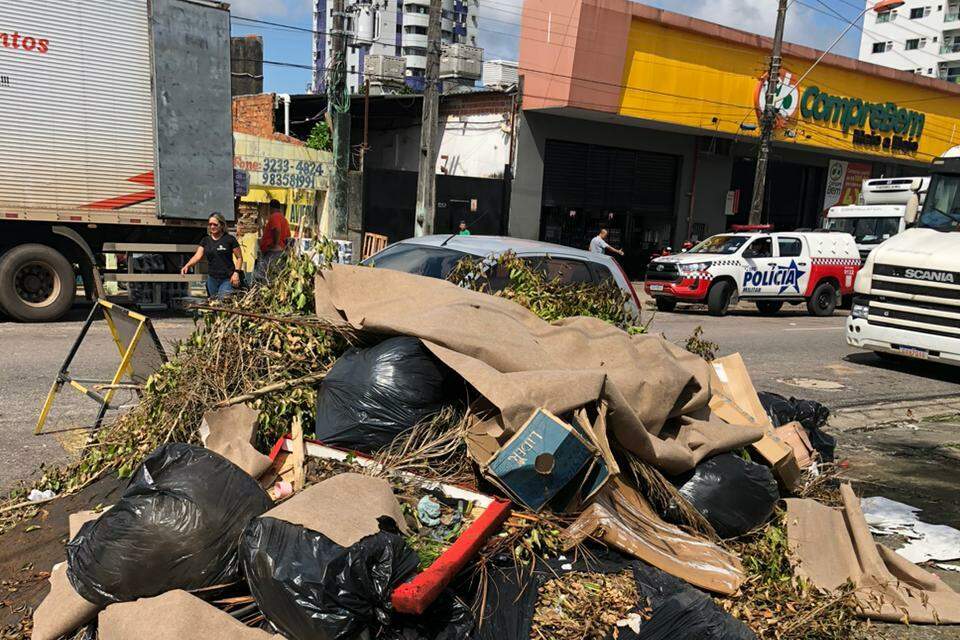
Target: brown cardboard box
{"points": [[796, 437], [735, 401]]}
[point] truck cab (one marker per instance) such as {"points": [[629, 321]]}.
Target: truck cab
{"points": [[907, 295], [769, 269], [880, 213]]}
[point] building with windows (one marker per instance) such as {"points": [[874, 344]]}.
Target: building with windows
{"points": [[922, 36], [392, 28], [651, 130]]}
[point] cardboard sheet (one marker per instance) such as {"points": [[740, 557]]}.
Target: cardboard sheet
{"points": [[63, 610], [230, 432], [345, 508], [735, 400], [520, 363], [175, 615], [623, 519], [831, 546]]}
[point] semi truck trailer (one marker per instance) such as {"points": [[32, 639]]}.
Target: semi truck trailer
{"points": [[115, 137]]}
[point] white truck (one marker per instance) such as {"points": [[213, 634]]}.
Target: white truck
{"points": [[115, 136], [769, 269], [880, 213], [907, 295]]}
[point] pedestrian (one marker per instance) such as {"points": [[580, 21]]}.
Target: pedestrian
{"points": [[273, 240], [463, 231], [599, 243], [223, 255]]}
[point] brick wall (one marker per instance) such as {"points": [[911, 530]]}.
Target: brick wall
{"points": [[254, 115], [476, 104]]}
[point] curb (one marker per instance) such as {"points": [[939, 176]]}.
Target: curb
{"points": [[885, 413]]}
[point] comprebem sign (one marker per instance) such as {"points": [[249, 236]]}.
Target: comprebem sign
{"points": [[882, 118]]}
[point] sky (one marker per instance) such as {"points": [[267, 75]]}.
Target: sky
{"points": [[814, 23]]}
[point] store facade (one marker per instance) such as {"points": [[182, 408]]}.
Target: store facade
{"points": [[646, 121]]}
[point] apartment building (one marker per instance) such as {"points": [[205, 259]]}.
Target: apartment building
{"points": [[921, 36], [393, 28]]}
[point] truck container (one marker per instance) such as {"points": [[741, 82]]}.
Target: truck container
{"points": [[115, 134]]}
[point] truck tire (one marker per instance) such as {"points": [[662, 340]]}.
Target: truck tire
{"points": [[823, 301], [718, 300], [769, 307], [666, 304], [37, 284]]}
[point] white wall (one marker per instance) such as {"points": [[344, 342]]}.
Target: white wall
{"points": [[476, 146]]}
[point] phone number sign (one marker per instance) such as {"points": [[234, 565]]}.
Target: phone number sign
{"points": [[272, 163]]}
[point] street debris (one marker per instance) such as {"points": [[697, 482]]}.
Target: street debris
{"points": [[833, 547], [643, 480], [370, 396], [585, 605], [925, 541], [734, 494]]}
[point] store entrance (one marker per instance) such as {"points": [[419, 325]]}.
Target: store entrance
{"points": [[629, 192], [794, 194]]}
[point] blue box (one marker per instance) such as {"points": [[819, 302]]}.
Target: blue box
{"points": [[542, 459]]}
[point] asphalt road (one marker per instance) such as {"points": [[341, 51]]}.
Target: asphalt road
{"points": [[30, 357], [792, 354], [796, 354]]}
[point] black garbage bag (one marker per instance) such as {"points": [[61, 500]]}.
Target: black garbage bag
{"points": [[692, 615], [311, 588], [370, 396], [448, 618], [679, 611], [177, 526], [811, 414], [734, 495]]}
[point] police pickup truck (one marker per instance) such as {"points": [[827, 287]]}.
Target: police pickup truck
{"points": [[766, 268]]}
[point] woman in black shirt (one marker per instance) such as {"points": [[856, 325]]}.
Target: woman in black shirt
{"points": [[223, 255]]}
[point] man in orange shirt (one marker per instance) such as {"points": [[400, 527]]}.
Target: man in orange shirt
{"points": [[273, 240]]}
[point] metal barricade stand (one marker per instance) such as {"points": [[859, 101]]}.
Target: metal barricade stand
{"points": [[140, 350]]}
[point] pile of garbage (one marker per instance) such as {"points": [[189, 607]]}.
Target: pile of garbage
{"points": [[469, 470]]}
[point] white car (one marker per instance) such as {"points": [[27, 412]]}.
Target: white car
{"points": [[767, 268], [435, 256]]}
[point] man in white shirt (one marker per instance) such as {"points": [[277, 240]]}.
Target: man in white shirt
{"points": [[599, 243]]}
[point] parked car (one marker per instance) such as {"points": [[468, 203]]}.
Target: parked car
{"points": [[767, 268], [436, 256]]}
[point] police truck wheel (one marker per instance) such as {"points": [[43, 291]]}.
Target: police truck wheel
{"points": [[666, 304], [37, 284], [718, 300], [823, 301], [769, 307]]}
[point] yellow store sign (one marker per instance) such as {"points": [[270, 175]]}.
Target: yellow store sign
{"points": [[696, 80]]}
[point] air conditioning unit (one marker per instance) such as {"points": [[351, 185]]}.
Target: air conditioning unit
{"points": [[382, 69], [500, 73], [461, 61]]}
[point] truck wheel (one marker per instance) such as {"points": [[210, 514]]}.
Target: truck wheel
{"points": [[769, 307], [37, 284], [666, 304], [718, 300], [823, 301]]}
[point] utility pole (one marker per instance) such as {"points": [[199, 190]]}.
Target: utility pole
{"points": [[338, 108], [426, 177], [769, 117]]}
